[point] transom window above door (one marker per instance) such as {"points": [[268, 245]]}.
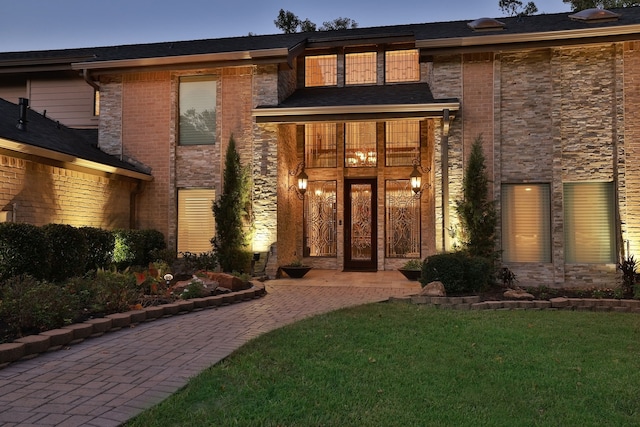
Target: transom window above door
{"points": [[360, 148]]}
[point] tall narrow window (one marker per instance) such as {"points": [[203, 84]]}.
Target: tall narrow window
{"points": [[321, 70], [320, 214], [320, 150], [360, 144], [402, 66], [196, 225], [96, 103], [589, 223], [197, 110], [360, 68], [402, 220], [402, 142], [526, 217]]}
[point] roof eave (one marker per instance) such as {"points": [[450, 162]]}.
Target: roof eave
{"points": [[506, 39], [351, 112], [274, 55], [23, 150]]}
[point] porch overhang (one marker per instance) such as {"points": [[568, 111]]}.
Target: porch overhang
{"points": [[353, 112], [357, 103]]}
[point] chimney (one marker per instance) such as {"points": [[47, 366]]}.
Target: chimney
{"points": [[22, 120]]}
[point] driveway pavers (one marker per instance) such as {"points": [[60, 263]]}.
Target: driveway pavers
{"points": [[105, 381]]}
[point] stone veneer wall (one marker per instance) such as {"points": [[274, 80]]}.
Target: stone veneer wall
{"points": [[631, 82], [45, 194], [547, 116]]}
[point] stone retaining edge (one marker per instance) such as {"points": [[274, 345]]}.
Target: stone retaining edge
{"points": [[575, 304], [33, 345]]}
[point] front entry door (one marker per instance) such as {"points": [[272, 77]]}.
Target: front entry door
{"points": [[360, 231]]}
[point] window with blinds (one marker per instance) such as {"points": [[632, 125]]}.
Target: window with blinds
{"points": [[196, 225], [402, 142], [361, 68], [589, 223], [197, 97], [402, 66], [526, 223], [321, 70], [320, 149]]}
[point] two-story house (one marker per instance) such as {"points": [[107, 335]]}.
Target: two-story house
{"points": [[378, 124]]}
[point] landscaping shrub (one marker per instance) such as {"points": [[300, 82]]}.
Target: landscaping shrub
{"points": [[136, 247], [113, 292], [459, 272], [99, 244], [66, 251], [29, 305], [203, 261], [22, 250]]}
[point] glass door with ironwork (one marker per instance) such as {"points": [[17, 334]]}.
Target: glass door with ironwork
{"points": [[360, 231]]}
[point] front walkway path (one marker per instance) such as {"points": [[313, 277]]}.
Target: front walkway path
{"points": [[107, 380]]}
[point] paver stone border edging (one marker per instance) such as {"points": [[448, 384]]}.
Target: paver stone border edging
{"points": [[32, 345], [560, 303]]}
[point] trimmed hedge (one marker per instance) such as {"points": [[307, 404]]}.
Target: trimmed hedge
{"points": [[66, 251], [137, 247], [99, 245], [459, 272], [22, 250]]}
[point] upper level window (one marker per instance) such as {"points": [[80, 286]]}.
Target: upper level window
{"points": [[321, 70], [360, 68], [197, 110], [360, 144], [402, 142], [402, 66], [320, 145]]}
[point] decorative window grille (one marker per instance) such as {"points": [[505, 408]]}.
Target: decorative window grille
{"points": [[320, 215], [361, 68], [321, 70], [402, 142], [526, 223], [320, 149], [402, 220], [402, 66], [360, 144]]}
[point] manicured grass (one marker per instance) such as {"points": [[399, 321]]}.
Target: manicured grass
{"points": [[404, 365]]}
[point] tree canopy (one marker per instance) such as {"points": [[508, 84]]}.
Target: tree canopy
{"points": [[517, 8], [289, 23]]}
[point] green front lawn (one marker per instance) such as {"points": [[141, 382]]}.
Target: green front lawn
{"points": [[406, 365]]}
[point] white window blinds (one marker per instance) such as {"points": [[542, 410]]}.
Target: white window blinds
{"points": [[196, 225]]}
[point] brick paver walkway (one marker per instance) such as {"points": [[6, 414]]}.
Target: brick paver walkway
{"points": [[107, 380]]}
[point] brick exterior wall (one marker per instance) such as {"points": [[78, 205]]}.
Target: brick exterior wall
{"points": [[45, 194], [631, 83]]}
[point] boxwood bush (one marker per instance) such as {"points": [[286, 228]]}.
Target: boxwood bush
{"points": [[459, 272], [136, 247], [99, 244], [66, 251], [22, 250]]}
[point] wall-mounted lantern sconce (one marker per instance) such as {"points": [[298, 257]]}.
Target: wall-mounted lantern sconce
{"points": [[416, 178], [302, 178]]}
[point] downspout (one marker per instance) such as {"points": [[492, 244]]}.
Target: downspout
{"points": [[133, 205], [444, 152], [89, 80]]}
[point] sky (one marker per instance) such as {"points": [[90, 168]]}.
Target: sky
{"points": [[61, 24]]}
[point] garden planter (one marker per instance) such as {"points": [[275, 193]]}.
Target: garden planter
{"points": [[296, 272], [410, 274]]}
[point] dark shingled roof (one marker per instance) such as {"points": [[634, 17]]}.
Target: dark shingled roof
{"points": [[441, 31], [45, 133], [399, 94]]}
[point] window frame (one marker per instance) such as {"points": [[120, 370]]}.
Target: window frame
{"points": [[182, 136], [513, 223]]}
